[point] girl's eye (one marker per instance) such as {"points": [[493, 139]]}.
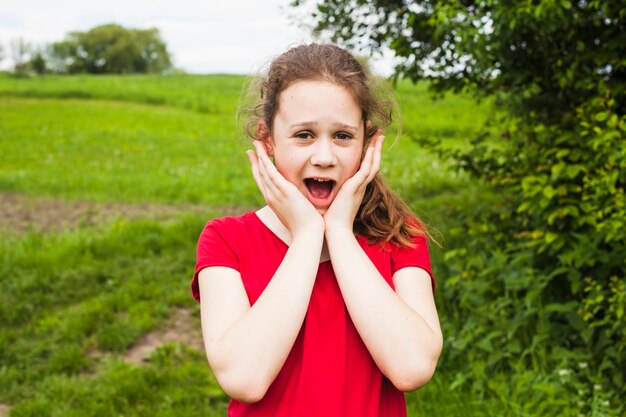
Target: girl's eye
{"points": [[343, 136], [303, 135]]}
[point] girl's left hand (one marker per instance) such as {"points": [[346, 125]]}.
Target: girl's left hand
{"points": [[342, 211]]}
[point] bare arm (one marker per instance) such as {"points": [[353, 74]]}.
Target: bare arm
{"points": [[400, 329], [247, 346]]}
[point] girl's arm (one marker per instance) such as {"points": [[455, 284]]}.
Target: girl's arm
{"points": [[400, 329], [247, 346]]}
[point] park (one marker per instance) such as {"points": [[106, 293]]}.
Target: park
{"points": [[517, 162]]}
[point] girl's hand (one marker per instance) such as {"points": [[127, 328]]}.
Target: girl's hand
{"points": [[292, 208], [342, 211]]}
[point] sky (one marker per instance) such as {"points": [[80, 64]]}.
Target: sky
{"points": [[210, 36]]}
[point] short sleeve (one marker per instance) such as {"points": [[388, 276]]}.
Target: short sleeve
{"points": [[418, 256], [215, 248]]}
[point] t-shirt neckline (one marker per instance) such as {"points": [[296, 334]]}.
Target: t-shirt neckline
{"points": [[266, 227]]}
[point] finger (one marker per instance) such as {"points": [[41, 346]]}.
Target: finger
{"points": [[377, 156], [263, 156], [271, 190], [366, 164], [254, 163], [378, 134], [278, 183], [362, 177], [260, 148], [355, 183]]}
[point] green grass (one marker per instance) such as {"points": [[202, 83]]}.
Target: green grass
{"points": [[72, 303], [127, 152], [111, 151], [176, 382], [84, 296], [455, 118], [115, 147], [214, 94]]}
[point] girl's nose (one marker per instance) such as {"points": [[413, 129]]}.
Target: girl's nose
{"points": [[323, 154]]}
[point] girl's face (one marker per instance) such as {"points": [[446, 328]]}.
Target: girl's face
{"points": [[317, 139]]}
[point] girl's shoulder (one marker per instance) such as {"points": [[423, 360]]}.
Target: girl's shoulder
{"points": [[415, 242], [230, 224], [236, 219], [391, 256]]}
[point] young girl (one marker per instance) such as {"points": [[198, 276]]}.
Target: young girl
{"points": [[321, 302]]}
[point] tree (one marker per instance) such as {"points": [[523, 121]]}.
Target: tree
{"points": [[38, 62], [20, 53], [547, 262], [111, 49]]}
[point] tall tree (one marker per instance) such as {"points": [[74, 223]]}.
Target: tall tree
{"points": [[540, 282], [20, 53], [111, 49], [38, 61]]}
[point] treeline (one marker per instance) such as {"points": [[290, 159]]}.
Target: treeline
{"points": [[106, 49]]}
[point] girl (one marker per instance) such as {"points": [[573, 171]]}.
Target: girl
{"points": [[321, 302]]}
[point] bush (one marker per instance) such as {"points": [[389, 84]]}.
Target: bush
{"points": [[536, 282], [539, 278]]}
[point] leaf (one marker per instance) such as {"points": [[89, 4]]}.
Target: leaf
{"points": [[551, 237], [569, 307]]}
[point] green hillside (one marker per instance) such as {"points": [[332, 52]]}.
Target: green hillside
{"points": [[75, 300]]}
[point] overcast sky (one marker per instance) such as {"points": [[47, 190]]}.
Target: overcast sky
{"points": [[210, 36]]}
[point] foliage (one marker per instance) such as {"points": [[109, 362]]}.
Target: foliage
{"points": [[538, 276], [111, 49], [20, 53], [38, 62]]}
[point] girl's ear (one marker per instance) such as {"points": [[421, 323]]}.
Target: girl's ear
{"points": [[263, 135]]}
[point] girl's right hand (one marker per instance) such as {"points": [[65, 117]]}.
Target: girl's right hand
{"points": [[292, 208]]}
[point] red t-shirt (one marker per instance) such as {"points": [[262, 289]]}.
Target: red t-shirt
{"points": [[329, 371]]}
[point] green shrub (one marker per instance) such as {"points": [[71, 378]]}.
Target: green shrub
{"points": [[538, 278]]}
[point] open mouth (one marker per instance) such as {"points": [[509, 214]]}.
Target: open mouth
{"points": [[319, 188]]}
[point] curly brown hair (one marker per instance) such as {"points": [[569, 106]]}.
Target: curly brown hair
{"points": [[383, 216]]}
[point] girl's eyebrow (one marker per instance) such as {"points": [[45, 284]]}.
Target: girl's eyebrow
{"points": [[315, 124]]}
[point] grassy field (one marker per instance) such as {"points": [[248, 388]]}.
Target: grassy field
{"points": [[72, 303]]}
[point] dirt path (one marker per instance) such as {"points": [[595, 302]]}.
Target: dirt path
{"points": [[20, 213], [180, 327]]}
